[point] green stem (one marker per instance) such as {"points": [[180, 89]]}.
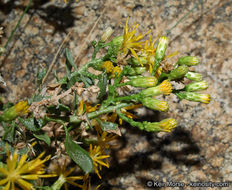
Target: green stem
{"points": [[131, 121], [18, 23], [75, 119], [184, 17], [59, 183]]}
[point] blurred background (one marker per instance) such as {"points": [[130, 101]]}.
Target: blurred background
{"points": [[199, 149]]}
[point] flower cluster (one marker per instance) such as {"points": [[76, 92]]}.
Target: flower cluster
{"points": [[79, 116]]}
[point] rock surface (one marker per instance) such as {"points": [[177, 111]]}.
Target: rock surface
{"points": [[199, 149]]}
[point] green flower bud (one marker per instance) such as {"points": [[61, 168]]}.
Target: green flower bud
{"points": [[165, 125], [195, 86], [117, 41], [13, 112], [143, 82], [155, 104], [193, 96], [164, 88], [135, 62], [188, 60], [178, 73], [161, 48], [108, 32], [136, 70], [193, 76]]}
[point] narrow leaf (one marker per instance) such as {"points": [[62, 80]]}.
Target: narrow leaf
{"points": [[79, 155], [43, 137]]}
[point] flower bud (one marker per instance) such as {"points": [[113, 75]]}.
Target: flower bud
{"points": [[117, 41], [108, 66], [161, 48], [155, 104], [193, 76], [164, 88], [143, 82], [195, 86], [165, 125], [117, 70], [108, 32], [136, 70], [178, 73], [135, 62], [13, 112], [188, 60], [193, 96], [2, 49]]}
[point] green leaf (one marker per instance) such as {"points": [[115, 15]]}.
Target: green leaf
{"points": [[9, 132], [30, 124], [106, 126], [40, 75], [70, 58], [102, 84], [43, 137], [79, 155], [58, 109]]}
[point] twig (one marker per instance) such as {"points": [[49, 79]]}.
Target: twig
{"points": [[17, 25], [55, 57], [90, 32]]}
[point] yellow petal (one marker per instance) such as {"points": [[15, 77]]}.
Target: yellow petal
{"points": [[3, 181], [24, 184], [4, 171], [7, 187]]}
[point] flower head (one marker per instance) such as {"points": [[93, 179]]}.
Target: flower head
{"points": [[132, 42], [196, 86], [188, 60], [193, 96], [161, 48], [64, 177], [155, 104], [165, 125], [193, 76], [13, 112], [116, 71], [143, 82], [97, 157], [108, 32], [108, 66], [19, 171], [164, 88], [178, 73]]}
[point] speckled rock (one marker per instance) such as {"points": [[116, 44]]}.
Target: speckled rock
{"points": [[200, 147]]}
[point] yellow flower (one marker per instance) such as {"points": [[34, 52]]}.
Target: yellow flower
{"points": [[165, 125], [155, 104], [22, 107], [168, 124], [117, 70], [149, 52], [64, 177], [18, 172], [108, 66], [103, 138], [132, 42], [88, 107], [13, 112], [97, 157], [165, 87]]}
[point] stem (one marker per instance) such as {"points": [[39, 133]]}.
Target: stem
{"points": [[18, 23], [131, 121], [76, 119], [184, 17], [59, 183]]}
